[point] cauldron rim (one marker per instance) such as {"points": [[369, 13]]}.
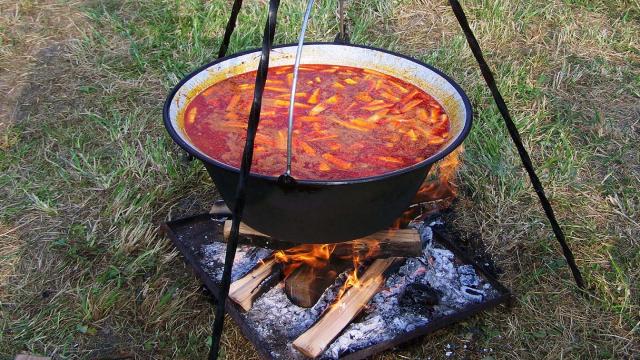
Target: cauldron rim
{"points": [[189, 148]]}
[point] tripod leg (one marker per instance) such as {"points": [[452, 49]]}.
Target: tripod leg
{"points": [[245, 168], [515, 136], [231, 25]]}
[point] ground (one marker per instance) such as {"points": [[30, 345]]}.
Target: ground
{"points": [[87, 172]]}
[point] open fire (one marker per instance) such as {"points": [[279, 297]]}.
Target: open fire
{"points": [[335, 282], [317, 263], [352, 298], [313, 256], [436, 193], [393, 300]]}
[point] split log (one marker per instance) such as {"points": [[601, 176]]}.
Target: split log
{"points": [[243, 291], [306, 284], [316, 339], [219, 208], [245, 230], [249, 236], [383, 244]]}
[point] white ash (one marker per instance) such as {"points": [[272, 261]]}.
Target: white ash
{"points": [[274, 317], [384, 318], [247, 257], [278, 322]]}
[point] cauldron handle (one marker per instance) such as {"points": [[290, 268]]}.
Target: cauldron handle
{"points": [[286, 178]]}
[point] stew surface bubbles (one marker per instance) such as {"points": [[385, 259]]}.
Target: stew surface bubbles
{"points": [[348, 122]]}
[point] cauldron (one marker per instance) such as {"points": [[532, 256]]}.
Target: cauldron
{"points": [[322, 211]]}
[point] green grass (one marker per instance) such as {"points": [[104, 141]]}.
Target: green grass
{"points": [[87, 172]]}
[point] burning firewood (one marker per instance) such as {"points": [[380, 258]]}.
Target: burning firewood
{"points": [[383, 244], [305, 284], [310, 268], [316, 339], [246, 289]]}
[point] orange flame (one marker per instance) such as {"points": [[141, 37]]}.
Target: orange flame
{"points": [[443, 187], [318, 256], [436, 193], [315, 256], [352, 279]]}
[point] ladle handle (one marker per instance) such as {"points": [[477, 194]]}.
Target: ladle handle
{"points": [[294, 83]]}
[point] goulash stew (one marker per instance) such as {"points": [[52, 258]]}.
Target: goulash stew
{"points": [[348, 123]]}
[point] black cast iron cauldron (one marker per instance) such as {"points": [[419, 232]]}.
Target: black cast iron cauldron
{"points": [[322, 211]]}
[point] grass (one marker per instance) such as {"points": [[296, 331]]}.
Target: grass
{"points": [[87, 172]]}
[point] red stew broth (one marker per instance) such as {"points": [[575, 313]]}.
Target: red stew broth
{"points": [[348, 122]]}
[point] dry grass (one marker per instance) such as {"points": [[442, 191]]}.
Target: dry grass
{"points": [[10, 246], [87, 173], [27, 27]]}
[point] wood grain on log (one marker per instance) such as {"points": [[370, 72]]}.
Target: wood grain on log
{"points": [[316, 339], [383, 244], [246, 289], [253, 237]]}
